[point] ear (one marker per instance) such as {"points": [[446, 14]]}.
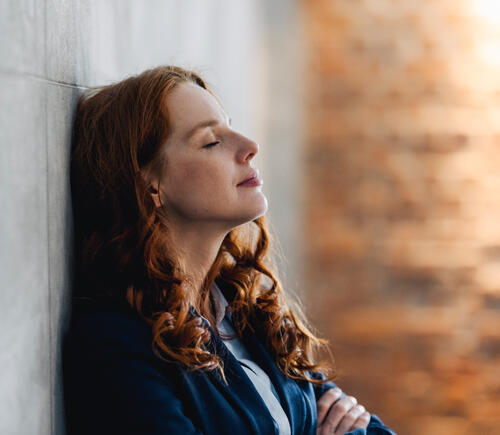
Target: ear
{"points": [[152, 183], [153, 191]]}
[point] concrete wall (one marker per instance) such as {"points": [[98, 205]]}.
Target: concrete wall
{"points": [[51, 51]]}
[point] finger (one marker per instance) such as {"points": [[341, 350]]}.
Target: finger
{"points": [[362, 421], [346, 424], [326, 401], [336, 413]]}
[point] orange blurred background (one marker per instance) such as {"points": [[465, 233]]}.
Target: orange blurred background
{"points": [[402, 206]]}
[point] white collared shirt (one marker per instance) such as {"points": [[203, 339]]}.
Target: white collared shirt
{"points": [[259, 377]]}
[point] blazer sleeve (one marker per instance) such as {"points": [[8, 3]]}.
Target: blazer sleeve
{"points": [[375, 425], [112, 384]]}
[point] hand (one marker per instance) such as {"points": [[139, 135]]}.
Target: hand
{"points": [[338, 416]]}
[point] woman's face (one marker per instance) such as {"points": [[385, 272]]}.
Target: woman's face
{"points": [[204, 164]]}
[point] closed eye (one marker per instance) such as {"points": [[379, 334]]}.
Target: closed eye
{"points": [[210, 145]]}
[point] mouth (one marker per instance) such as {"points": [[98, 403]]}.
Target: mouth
{"points": [[253, 177], [252, 182]]}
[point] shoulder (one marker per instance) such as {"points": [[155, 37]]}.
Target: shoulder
{"points": [[99, 325], [113, 381]]}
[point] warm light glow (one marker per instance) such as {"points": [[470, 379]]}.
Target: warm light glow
{"points": [[489, 52], [486, 16], [488, 10]]}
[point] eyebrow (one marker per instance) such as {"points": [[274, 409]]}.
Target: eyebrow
{"points": [[207, 123]]}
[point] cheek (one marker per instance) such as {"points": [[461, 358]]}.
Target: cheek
{"points": [[199, 177], [197, 185]]}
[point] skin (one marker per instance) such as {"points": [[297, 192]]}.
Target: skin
{"points": [[198, 184], [338, 416], [198, 188]]}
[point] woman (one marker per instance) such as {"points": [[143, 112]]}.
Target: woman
{"points": [[180, 324]]}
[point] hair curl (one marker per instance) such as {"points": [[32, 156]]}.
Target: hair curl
{"points": [[122, 245]]}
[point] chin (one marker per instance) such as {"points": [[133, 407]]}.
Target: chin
{"points": [[249, 213], [262, 209], [250, 217]]}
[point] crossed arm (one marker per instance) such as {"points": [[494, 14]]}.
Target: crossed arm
{"points": [[340, 414]]}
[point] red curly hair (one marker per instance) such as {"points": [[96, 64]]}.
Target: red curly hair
{"points": [[122, 248]]}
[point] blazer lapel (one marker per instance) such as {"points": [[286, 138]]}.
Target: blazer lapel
{"points": [[240, 391], [291, 396]]}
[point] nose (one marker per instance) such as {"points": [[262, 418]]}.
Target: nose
{"points": [[247, 149]]}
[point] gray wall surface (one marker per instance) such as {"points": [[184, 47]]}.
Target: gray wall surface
{"points": [[51, 51]]}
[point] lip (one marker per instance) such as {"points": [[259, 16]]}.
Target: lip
{"points": [[253, 176], [252, 182]]}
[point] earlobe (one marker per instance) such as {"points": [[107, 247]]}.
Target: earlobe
{"points": [[156, 197], [153, 191]]}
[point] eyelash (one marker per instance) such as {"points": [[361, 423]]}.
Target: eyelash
{"points": [[210, 145]]}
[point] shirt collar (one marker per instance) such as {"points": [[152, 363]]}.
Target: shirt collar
{"points": [[220, 303]]}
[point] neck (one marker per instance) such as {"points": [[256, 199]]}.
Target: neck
{"points": [[197, 249]]}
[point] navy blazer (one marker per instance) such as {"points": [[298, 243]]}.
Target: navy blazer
{"points": [[115, 384]]}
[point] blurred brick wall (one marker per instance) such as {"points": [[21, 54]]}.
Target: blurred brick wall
{"points": [[402, 206]]}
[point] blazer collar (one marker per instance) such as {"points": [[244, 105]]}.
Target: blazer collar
{"points": [[291, 397]]}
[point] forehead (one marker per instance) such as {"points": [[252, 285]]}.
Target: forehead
{"points": [[187, 104]]}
